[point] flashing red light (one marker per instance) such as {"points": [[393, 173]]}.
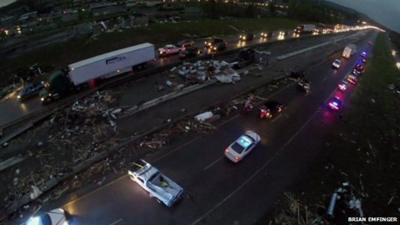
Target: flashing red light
{"points": [[334, 105]]}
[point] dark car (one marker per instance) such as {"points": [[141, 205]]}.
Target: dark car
{"points": [[215, 44], [185, 44], [246, 37], [360, 68], [190, 52], [30, 90], [270, 109]]}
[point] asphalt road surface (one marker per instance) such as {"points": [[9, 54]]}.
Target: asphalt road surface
{"points": [[13, 109], [220, 192]]}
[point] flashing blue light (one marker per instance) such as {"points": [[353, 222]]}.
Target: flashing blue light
{"points": [[244, 141], [34, 221]]}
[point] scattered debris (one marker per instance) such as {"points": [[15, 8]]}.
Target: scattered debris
{"points": [[75, 133], [204, 116], [209, 69], [35, 192], [344, 202]]}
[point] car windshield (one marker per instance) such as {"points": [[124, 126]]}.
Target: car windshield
{"points": [[242, 143]]}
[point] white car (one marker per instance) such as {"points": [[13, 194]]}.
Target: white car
{"points": [[242, 146], [169, 50], [336, 64], [54, 217], [155, 183]]}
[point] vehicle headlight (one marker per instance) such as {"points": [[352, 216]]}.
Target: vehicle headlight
{"points": [[42, 99], [34, 221], [65, 223], [19, 96]]}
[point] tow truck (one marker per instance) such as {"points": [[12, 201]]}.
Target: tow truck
{"points": [[159, 186]]}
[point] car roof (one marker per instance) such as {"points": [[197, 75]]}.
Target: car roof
{"points": [[245, 140]]}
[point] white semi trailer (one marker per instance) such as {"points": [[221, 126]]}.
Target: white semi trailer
{"points": [[111, 63]]}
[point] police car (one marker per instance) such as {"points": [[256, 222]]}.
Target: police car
{"points": [[242, 146]]}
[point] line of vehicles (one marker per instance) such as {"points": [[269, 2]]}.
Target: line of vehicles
{"points": [[89, 71], [86, 72], [335, 103]]}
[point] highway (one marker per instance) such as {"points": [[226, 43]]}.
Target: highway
{"points": [[14, 109], [219, 192]]}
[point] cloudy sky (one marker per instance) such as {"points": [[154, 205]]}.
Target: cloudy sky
{"points": [[5, 2], [386, 12]]}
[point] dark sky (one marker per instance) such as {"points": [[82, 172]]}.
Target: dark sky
{"points": [[386, 12]]}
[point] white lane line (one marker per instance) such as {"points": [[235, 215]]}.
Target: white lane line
{"points": [[276, 117], [213, 163], [176, 149], [256, 172], [262, 167], [117, 221]]}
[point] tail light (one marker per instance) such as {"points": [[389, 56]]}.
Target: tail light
{"points": [[237, 158], [226, 150]]}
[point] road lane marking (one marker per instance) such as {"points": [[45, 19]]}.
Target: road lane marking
{"points": [[276, 117], [116, 222], [199, 219], [176, 149], [212, 164], [96, 190]]}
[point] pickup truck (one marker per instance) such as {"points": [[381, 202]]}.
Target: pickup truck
{"points": [[155, 183]]}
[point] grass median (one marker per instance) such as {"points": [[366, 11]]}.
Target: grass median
{"points": [[363, 148]]}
